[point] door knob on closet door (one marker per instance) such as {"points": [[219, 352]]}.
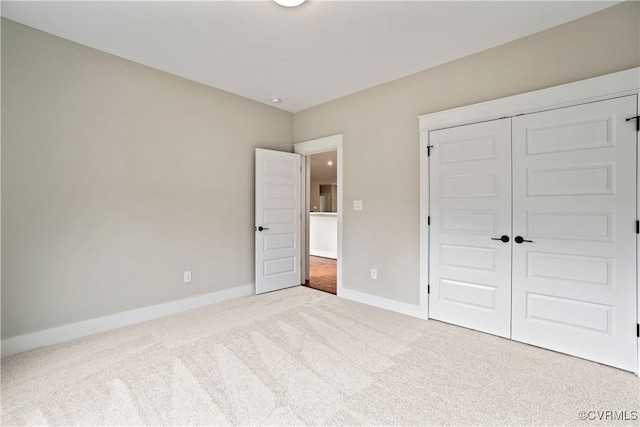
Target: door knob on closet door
{"points": [[520, 239], [504, 239], [262, 228]]}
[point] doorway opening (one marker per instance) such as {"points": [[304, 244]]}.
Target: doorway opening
{"points": [[322, 213], [323, 221]]}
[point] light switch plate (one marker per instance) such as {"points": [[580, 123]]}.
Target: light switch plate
{"points": [[357, 205]]}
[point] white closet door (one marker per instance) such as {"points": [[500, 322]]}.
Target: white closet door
{"points": [[574, 197], [470, 204]]}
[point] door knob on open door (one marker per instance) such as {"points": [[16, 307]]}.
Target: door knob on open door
{"points": [[520, 239], [504, 239]]}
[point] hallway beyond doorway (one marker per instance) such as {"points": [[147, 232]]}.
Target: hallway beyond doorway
{"points": [[322, 274]]}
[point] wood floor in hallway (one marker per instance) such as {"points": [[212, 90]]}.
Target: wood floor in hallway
{"points": [[322, 274]]}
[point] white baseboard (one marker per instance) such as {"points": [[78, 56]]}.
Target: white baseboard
{"points": [[73, 331], [386, 303]]}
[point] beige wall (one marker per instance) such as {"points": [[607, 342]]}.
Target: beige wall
{"points": [[334, 198], [314, 197], [116, 178], [381, 164]]}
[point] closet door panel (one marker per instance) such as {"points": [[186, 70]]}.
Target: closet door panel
{"points": [[574, 199], [470, 188]]}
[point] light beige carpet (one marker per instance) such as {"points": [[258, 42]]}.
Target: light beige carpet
{"points": [[299, 357]]}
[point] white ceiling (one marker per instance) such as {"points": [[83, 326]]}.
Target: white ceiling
{"points": [[321, 171], [307, 55]]}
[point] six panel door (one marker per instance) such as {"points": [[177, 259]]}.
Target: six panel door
{"points": [[470, 191], [574, 197]]}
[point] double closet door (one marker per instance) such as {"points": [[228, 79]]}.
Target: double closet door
{"points": [[533, 229]]}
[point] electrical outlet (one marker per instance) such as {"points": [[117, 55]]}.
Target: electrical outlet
{"points": [[374, 273], [357, 205], [187, 276]]}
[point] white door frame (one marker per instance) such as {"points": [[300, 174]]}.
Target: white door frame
{"points": [[638, 214], [595, 89], [306, 148]]}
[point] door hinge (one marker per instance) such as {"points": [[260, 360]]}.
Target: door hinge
{"points": [[428, 289], [429, 147], [638, 330], [637, 227], [428, 220], [637, 119]]}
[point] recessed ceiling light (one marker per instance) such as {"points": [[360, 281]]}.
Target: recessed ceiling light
{"points": [[276, 100], [289, 3]]}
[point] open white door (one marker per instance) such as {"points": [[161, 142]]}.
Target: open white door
{"points": [[277, 223]]}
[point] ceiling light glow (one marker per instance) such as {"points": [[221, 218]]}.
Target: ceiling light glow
{"points": [[330, 163], [276, 100], [289, 3]]}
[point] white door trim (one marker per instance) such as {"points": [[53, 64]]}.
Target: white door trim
{"points": [[595, 89], [314, 146], [638, 240]]}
